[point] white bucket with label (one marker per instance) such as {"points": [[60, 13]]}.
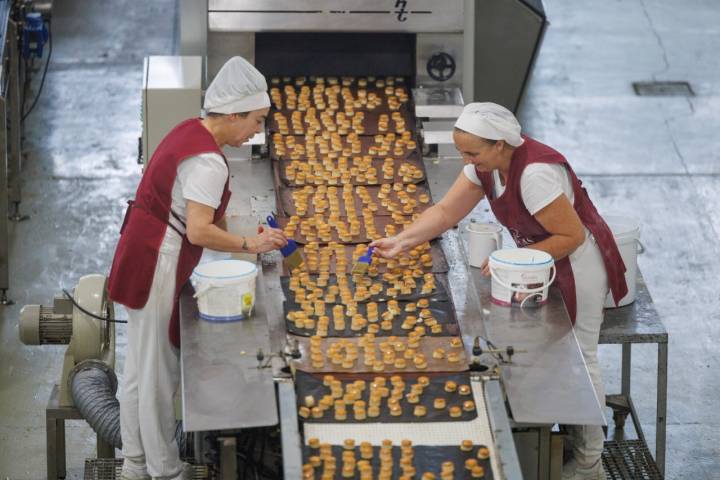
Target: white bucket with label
{"points": [[626, 231], [521, 274], [483, 239], [225, 289]]}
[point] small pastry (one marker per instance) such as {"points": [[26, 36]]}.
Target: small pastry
{"points": [[455, 411], [477, 472], [464, 390], [396, 411], [304, 412], [348, 444], [453, 357], [450, 386], [470, 463], [456, 342], [423, 381], [420, 411], [316, 412], [483, 453], [439, 353], [439, 403], [468, 405], [466, 445]]}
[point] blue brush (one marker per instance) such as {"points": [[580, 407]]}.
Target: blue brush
{"points": [[361, 266], [292, 255]]}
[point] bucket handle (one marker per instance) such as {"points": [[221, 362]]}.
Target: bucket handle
{"points": [[203, 291], [524, 290], [496, 235], [640, 247]]}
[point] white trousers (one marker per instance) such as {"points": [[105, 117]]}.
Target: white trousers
{"points": [[591, 287], [151, 377]]}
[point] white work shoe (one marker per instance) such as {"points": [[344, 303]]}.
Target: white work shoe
{"points": [[187, 472], [573, 471], [130, 475]]}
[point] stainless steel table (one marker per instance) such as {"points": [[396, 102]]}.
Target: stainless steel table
{"points": [[537, 382], [638, 322], [222, 386]]}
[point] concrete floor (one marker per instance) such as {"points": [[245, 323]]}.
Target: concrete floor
{"points": [[654, 158]]}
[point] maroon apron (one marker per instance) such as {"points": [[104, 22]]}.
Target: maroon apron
{"points": [[147, 218], [510, 210]]}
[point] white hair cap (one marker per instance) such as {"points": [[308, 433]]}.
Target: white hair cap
{"points": [[490, 121], [238, 87]]}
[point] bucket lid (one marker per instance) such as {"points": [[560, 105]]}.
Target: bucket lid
{"points": [[522, 257], [622, 226], [225, 269], [476, 227]]}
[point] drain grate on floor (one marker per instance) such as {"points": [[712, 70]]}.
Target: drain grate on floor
{"points": [[109, 469], [629, 460], [663, 89]]}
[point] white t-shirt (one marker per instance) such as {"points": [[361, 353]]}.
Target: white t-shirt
{"points": [[200, 179], [540, 184]]}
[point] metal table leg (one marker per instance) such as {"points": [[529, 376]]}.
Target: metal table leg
{"points": [[4, 234], [55, 444], [660, 425], [626, 364]]}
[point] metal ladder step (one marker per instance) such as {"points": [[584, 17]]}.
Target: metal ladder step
{"points": [[629, 460], [109, 469]]}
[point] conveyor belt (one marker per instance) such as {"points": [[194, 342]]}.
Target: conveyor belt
{"points": [[334, 146]]}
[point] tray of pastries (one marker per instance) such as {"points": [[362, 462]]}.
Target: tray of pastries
{"points": [[314, 121], [346, 230], [325, 96], [369, 353], [361, 460], [350, 200], [353, 171], [393, 318], [405, 286], [337, 258], [332, 145], [386, 398]]}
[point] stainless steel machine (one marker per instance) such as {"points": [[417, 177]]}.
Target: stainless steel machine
{"points": [[455, 52], [451, 53]]}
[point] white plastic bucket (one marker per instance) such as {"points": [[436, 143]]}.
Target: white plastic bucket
{"points": [[521, 274], [225, 289], [483, 239], [626, 231]]}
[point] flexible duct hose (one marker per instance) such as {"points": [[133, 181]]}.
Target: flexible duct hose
{"points": [[93, 387]]}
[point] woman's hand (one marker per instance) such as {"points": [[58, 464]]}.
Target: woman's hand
{"points": [[485, 267], [389, 247], [267, 239]]}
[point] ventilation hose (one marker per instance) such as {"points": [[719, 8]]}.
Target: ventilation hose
{"points": [[93, 385]]}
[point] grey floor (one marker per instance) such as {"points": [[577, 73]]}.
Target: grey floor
{"points": [[653, 158]]}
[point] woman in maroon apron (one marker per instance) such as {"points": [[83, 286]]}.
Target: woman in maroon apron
{"points": [[178, 210], [534, 193]]}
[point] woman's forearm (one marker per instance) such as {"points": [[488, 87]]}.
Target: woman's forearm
{"points": [[215, 238], [559, 246], [431, 223]]}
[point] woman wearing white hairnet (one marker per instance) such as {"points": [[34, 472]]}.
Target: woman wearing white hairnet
{"points": [[534, 192], [178, 210]]}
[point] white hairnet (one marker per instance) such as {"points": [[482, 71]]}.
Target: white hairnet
{"points": [[490, 121], [238, 87]]}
